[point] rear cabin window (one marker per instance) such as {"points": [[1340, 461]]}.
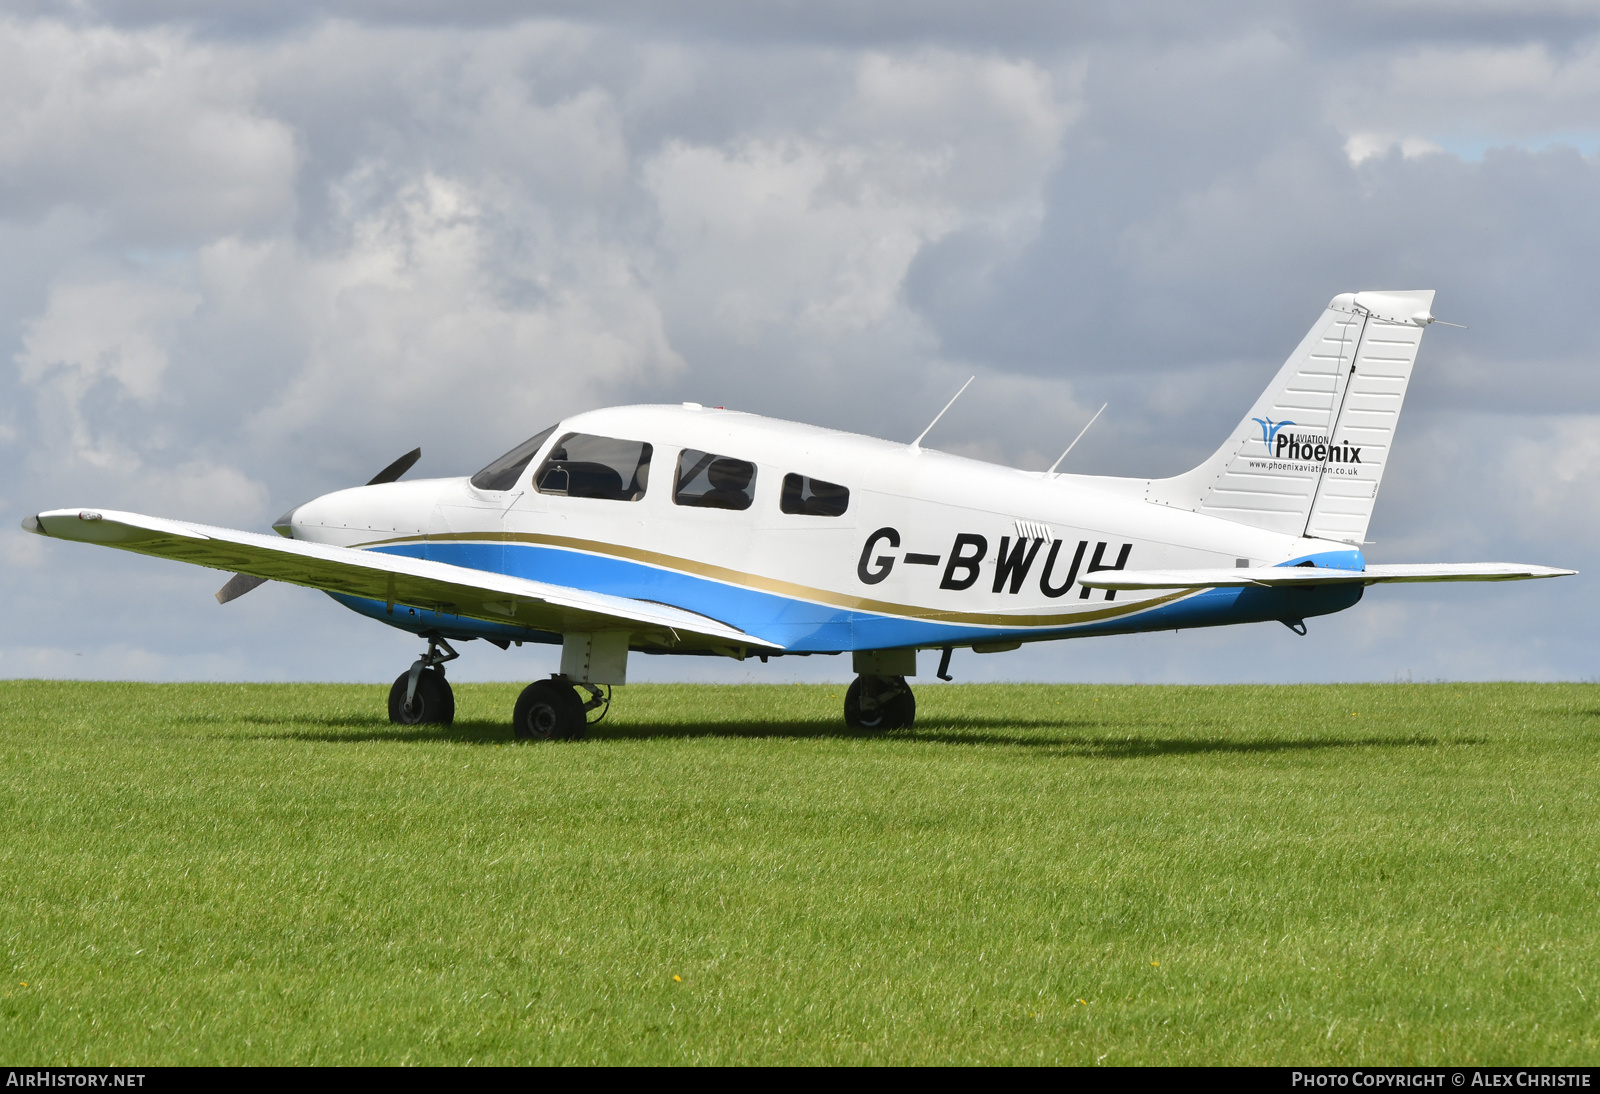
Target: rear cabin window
{"points": [[813, 497], [503, 473], [585, 466], [710, 481]]}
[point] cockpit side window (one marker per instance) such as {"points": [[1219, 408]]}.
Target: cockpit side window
{"points": [[582, 465], [710, 481], [503, 473], [813, 497]]}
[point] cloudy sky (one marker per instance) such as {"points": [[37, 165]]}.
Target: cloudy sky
{"points": [[252, 257]]}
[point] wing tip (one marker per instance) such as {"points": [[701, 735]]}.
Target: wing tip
{"points": [[31, 524]]}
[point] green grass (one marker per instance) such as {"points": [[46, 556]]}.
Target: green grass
{"points": [[274, 874]]}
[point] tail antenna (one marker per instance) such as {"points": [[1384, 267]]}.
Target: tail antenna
{"points": [[1076, 439]]}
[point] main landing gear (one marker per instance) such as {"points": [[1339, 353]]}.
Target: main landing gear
{"points": [[879, 702], [880, 698], [421, 695], [554, 709]]}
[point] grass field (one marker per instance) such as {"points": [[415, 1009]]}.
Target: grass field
{"points": [[275, 874]]}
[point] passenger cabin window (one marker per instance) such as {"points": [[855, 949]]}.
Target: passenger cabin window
{"points": [[586, 466], [503, 473], [710, 481], [813, 497]]}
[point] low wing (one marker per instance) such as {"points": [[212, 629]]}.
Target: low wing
{"points": [[394, 579], [1281, 576]]}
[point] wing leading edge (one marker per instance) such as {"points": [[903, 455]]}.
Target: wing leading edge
{"points": [[1283, 576], [393, 579]]}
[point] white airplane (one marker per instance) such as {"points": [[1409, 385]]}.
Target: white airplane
{"points": [[698, 530]]}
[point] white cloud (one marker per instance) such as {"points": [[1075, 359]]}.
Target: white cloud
{"points": [[158, 131], [110, 330], [114, 329], [783, 235], [20, 550], [1465, 98], [201, 491], [785, 256], [977, 135], [421, 321], [1361, 147], [1548, 478]]}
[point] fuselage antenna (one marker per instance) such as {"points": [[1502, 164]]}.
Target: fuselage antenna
{"points": [[916, 444], [1076, 439]]}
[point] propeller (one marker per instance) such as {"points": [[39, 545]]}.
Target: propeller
{"points": [[239, 584], [397, 468]]}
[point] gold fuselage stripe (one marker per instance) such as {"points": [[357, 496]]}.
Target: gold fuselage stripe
{"points": [[789, 588]]}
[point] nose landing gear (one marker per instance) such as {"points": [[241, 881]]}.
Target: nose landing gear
{"points": [[421, 695], [879, 702]]}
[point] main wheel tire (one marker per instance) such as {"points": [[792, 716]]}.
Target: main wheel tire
{"points": [[433, 704], [898, 711], [548, 710]]}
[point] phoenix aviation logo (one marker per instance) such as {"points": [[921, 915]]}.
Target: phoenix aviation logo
{"points": [[1269, 430], [1295, 446]]}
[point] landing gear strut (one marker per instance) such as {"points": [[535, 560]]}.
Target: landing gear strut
{"points": [[421, 695], [552, 710], [879, 702]]}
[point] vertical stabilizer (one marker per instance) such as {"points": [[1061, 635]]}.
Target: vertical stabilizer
{"points": [[1308, 458]]}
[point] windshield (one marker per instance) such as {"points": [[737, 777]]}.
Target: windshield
{"points": [[503, 473]]}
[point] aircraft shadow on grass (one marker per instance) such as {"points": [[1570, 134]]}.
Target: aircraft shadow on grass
{"points": [[1052, 737]]}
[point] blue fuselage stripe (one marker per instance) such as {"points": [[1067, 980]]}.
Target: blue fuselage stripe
{"points": [[804, 626]]}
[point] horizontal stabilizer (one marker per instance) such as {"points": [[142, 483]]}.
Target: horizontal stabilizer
{"points": [[392, 579], [1280, 576]]}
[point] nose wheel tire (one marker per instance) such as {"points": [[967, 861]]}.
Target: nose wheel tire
{"points": [[880, 702], [433, 704], [548, 710]]}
